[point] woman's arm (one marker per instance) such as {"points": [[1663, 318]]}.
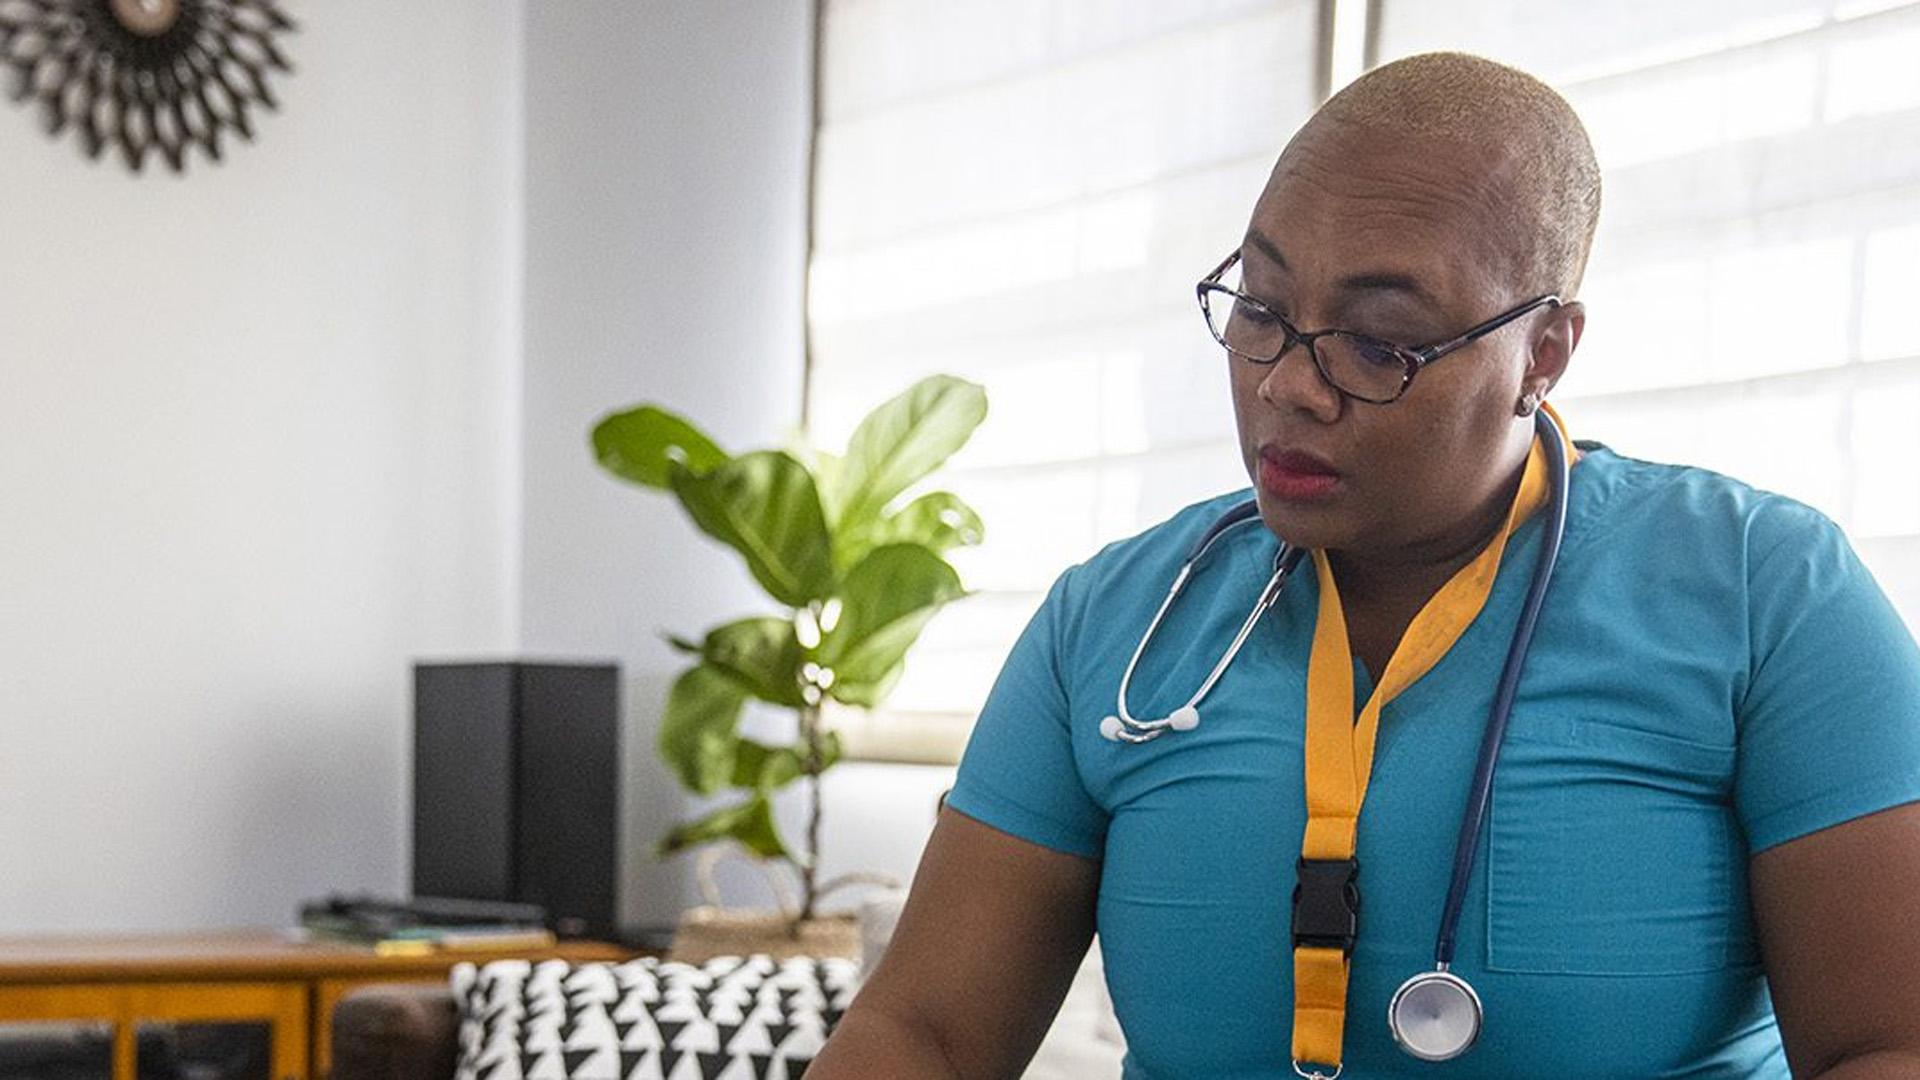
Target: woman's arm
{"points": [[985, 950], [1838, 912]]}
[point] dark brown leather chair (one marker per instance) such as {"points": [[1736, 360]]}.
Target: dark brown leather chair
{"points": [[395, 1032]]}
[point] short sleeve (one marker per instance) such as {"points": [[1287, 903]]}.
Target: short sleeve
{"points": [[1829, 726], [1018, 773]]}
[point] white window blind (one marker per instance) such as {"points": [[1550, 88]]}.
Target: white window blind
{"points": [[1023, 193], [1753, 288]]}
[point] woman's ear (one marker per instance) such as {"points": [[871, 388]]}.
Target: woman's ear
{"points": [[1553, 347]]}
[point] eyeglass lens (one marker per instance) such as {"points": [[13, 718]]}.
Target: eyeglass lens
{"points": [[1361, 366]]}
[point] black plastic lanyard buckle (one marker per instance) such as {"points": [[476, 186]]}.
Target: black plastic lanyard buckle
{"points": [[1326, 904]]}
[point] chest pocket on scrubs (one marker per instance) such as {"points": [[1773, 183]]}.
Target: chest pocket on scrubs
{"points": [[1614, 851]]}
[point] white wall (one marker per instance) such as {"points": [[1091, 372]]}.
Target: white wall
{"points": [[666, 228], [257, 450], [271, 431]]}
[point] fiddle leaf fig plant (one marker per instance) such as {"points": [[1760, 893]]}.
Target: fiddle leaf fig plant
{"points": [[856, 568]]}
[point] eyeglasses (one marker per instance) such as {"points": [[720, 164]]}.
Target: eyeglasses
{"points": [[1361, 367]]}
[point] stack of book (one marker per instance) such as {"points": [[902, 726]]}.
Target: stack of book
{"points": [[425, 925]]}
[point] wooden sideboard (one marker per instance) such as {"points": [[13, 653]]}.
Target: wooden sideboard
{"points": [[257, 977]]}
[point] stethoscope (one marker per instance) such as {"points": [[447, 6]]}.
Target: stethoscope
{"points": [[1435, 1015]]}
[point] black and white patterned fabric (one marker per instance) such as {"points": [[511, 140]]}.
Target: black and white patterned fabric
{"points": [[733, 1018]]}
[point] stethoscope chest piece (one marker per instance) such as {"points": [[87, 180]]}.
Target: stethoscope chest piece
{"points": [[1435, 1016]]}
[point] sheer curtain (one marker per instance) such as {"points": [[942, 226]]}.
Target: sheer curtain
{"points": [[1753, 288], [1023, 192]]}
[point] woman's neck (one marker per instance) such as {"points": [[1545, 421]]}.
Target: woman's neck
{"points": [[1383, 589], [1419, 569]]}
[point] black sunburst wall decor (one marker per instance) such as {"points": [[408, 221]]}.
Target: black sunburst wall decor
{"points": [[148, 76]]}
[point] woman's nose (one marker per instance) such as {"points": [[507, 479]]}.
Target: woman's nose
{"points": [[1293, 380]]}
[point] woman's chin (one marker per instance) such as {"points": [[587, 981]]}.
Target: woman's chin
{"points": [[1308, 526]]}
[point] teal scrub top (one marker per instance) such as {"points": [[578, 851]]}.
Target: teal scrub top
{"points": [[1714, 673]]}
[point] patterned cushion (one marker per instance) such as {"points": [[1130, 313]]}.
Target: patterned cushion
{"points": [[729, 1019]]}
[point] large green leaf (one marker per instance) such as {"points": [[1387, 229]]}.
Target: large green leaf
{"points": [[826, 473], [886, 601], [901, 441], [765, 506], [750, 822], [680, 644], [769, 768], [764, 767], [643, 445], [762, 654], [868, 694], [697, 733], [939, 520]]}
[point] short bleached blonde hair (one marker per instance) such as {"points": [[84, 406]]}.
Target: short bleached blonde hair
{"points": [[1529, 134]]}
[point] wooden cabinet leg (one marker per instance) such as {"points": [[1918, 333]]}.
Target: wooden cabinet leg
{"points": [[125, 1029]]}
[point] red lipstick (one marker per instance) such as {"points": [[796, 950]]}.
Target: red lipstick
{"points": [[1296, 475]]}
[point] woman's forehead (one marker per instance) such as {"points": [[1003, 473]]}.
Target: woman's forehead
{"points": [[1387, 211]]}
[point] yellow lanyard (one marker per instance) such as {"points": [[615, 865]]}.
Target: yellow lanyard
{"points": [[1339, 752]]}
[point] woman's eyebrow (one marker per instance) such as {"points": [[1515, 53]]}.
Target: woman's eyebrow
{"points": [[1388, 281], [1265, 246]]}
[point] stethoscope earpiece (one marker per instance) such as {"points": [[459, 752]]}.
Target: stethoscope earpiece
{"points": [[1123, 726], [1114, 729]]}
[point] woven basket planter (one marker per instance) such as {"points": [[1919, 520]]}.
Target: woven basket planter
{"points": [[708, 931], [713, 929]]}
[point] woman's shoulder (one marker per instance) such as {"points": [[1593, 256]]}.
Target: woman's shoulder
{"points": [[1674, 508], [1163, 545], [1151, 554]]}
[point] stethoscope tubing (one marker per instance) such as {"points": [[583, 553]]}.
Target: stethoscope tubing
{"points": [[1480, 793], [1134, 730]]}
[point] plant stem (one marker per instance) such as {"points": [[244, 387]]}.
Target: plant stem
{"points": [[810, 864]]}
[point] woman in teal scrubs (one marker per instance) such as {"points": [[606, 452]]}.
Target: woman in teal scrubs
{"points": [[1703, 851]]}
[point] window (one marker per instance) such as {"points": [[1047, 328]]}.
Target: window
{"points": [[1024, 193], [1751, 290]]}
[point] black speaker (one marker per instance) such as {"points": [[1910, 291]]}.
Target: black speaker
{"points": [[516, 788]]}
